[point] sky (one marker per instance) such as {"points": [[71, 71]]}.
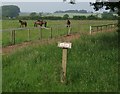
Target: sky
{"points": [[46, 0], [47, 6]]}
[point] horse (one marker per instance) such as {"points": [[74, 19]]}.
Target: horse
{"points": [[68, 23], [23, 23], [40, 22]]}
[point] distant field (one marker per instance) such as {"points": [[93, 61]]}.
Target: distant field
{"points": [[70, 14], [58, 28], [62, 14]]}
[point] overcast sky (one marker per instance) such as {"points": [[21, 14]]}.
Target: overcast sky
{"points": [[49, 6], [46, 0]]}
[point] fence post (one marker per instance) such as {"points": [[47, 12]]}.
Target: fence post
{"points": [[106, 27], [28, 34], [65, 47], [97, 28], [69, 29], [13, 36], [51, 32], [41, 32], [101, 28], [64, 62], [90, 29]]}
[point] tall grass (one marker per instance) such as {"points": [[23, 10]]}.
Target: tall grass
{"points": [[92, 66]]}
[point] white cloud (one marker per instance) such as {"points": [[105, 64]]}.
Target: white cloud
{"points": [[45, 0]]}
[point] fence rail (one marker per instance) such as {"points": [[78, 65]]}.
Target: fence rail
{"points": [[102, 27], [13, 33], [58, 32], [11, 29]]}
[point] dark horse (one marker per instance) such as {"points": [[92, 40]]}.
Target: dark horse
{"points": [[68, 23], [40, 22], [23, 23]]}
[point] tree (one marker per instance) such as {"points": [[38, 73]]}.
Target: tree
{"points": [[79, 17], [109, 5], [40, 14], [92, 17], [107, 16], [113, 5], [66, 16], [33, 14], [10, 11]]}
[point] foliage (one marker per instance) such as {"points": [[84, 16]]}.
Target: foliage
{"points": [[109, 5], [91, 17], [33, 14], [40, 14], [108, 16], [79, 17], [72, 11], [66, 16], [10, 11]]}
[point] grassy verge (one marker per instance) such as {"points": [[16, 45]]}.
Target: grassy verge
{"points": [[92, 66]]}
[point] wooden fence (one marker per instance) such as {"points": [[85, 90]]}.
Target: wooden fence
{"points": [[14, 30], [13, 33], [102, 27]]}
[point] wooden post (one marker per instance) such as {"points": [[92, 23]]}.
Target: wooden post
{"points": [[41, 32], [28, 34], [69, 29], [64, 62], [13, 36], [90, 29], [39, 35], [106, 27], [65, 46], [51, 32], [97, 28], [101, 28]]}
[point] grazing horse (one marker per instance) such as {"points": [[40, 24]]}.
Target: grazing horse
{"points": [[23, 23], [39, 22], [68, 23]]}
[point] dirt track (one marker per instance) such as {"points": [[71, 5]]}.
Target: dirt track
{"points": [[68, 38], [13, 48]]}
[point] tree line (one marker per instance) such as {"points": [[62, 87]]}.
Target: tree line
{"points": [[12, 12], [72, 11]]}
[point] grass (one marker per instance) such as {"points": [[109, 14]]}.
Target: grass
{"points": [[92, 66], [58, 29]]}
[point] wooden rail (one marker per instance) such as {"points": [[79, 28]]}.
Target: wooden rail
{"points": [[102, 27], [13, 33]]}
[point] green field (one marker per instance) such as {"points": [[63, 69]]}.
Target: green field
{"points": [[92, 62], [58, 29], [71, 14], [62, 14]]}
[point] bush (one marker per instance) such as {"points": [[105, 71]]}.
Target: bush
{"points": [[79, 17]]}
